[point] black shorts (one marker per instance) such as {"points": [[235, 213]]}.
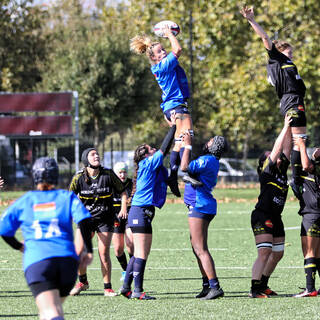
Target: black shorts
{"points": [[180, 109], [53, 273], [294, 106], [120, 225], [102, 225], [140, 218], [310, 225], [263, 223]]}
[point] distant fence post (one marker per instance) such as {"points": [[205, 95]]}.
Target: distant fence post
{"points": [[76, 120]]}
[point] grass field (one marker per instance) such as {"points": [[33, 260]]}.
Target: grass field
{"points": [[172, 275]]}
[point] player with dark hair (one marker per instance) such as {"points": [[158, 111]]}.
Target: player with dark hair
{"points": [[266, 219], [309, 197], [94, 186], [149, 191], [45, 217], [203, 208], [290, 88], [175, 91], [122, 234]]}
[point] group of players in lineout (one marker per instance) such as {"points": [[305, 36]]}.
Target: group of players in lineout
{"points": [[120, 210]]}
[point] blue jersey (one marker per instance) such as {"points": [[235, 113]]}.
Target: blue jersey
{"points": [[172, 80], [146, 180], [45, 218], [189, 196], [205, 168]]}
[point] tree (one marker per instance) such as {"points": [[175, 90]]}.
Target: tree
{"points": [[22, 45]]}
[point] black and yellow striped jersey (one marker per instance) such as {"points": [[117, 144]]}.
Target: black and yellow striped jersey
{"points": [[97, 193], [273, 186]]}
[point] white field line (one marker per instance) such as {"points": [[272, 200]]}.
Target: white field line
{"points": [[223, 229], [177, 268]]}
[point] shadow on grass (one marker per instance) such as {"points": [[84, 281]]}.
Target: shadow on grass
{"points": [[197, 279]]}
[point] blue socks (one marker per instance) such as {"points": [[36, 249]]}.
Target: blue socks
{"points": [[214, 283], [129, 274], [138, 274]]}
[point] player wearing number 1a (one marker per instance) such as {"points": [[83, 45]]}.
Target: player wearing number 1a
{"points": [[45, 217]]}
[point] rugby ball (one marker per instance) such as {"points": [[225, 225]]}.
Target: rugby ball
{"points": [[158, 28]]}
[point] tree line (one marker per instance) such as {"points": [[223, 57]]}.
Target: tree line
{"points": [[66, 46]]}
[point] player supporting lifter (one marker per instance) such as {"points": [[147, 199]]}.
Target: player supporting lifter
{"points": [[284, 76], [309, 196], [266, 222], [45, 217], [203, 208], [175, 92], [94, 186], [122, 234]]}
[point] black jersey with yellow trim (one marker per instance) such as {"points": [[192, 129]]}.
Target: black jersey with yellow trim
{"points": [[97, 193], [273, 186], [283, 74], [128, 184], [310, 202]]}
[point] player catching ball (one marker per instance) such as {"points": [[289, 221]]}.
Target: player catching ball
{"points": [[284, 76], [175, 91]]}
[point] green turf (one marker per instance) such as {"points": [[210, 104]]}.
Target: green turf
{"points": [[172, 275]]}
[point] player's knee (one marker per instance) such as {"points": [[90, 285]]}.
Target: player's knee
{"points": [[264, 250]]}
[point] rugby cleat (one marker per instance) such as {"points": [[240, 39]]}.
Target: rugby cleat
{"points": [[306, 293], [258, 294], [213, 294], [125, 292], [141, 296], [109, 293], [205, 290], [269, 292], [78, 288]]}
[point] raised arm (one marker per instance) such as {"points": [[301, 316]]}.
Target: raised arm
{"points": [[175, 45], [281, 140], [248, 13], [186, 152]]}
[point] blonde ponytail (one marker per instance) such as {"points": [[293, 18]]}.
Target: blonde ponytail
{"points": [[143, 44]]}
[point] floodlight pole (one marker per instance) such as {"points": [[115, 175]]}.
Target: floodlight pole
{"points": [[76, 137]]}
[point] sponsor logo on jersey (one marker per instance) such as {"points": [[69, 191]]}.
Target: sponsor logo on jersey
{"points": [[300, 107], [135, 221], [269, 224]]}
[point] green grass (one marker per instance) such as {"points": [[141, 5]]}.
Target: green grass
{"points": [[172, 275]]}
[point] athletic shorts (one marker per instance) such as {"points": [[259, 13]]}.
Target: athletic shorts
{"points": [[140, 218], [310, 225], [120, 225], [180, 109], [263, 223], [193, 213], [294, 106], [53, 273], [99, 225]]}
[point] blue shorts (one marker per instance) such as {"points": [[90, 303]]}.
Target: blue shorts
{"points": [[193, 213], [140, 218], [53, 273], [180, 109]]}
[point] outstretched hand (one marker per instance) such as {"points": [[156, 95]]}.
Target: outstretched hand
{"points": [[167, 31], [247, 12], [287, 120], [186, 138]]}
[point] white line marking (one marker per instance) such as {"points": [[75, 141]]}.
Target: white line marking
{"points": [[176, 268], [223, 229]]}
